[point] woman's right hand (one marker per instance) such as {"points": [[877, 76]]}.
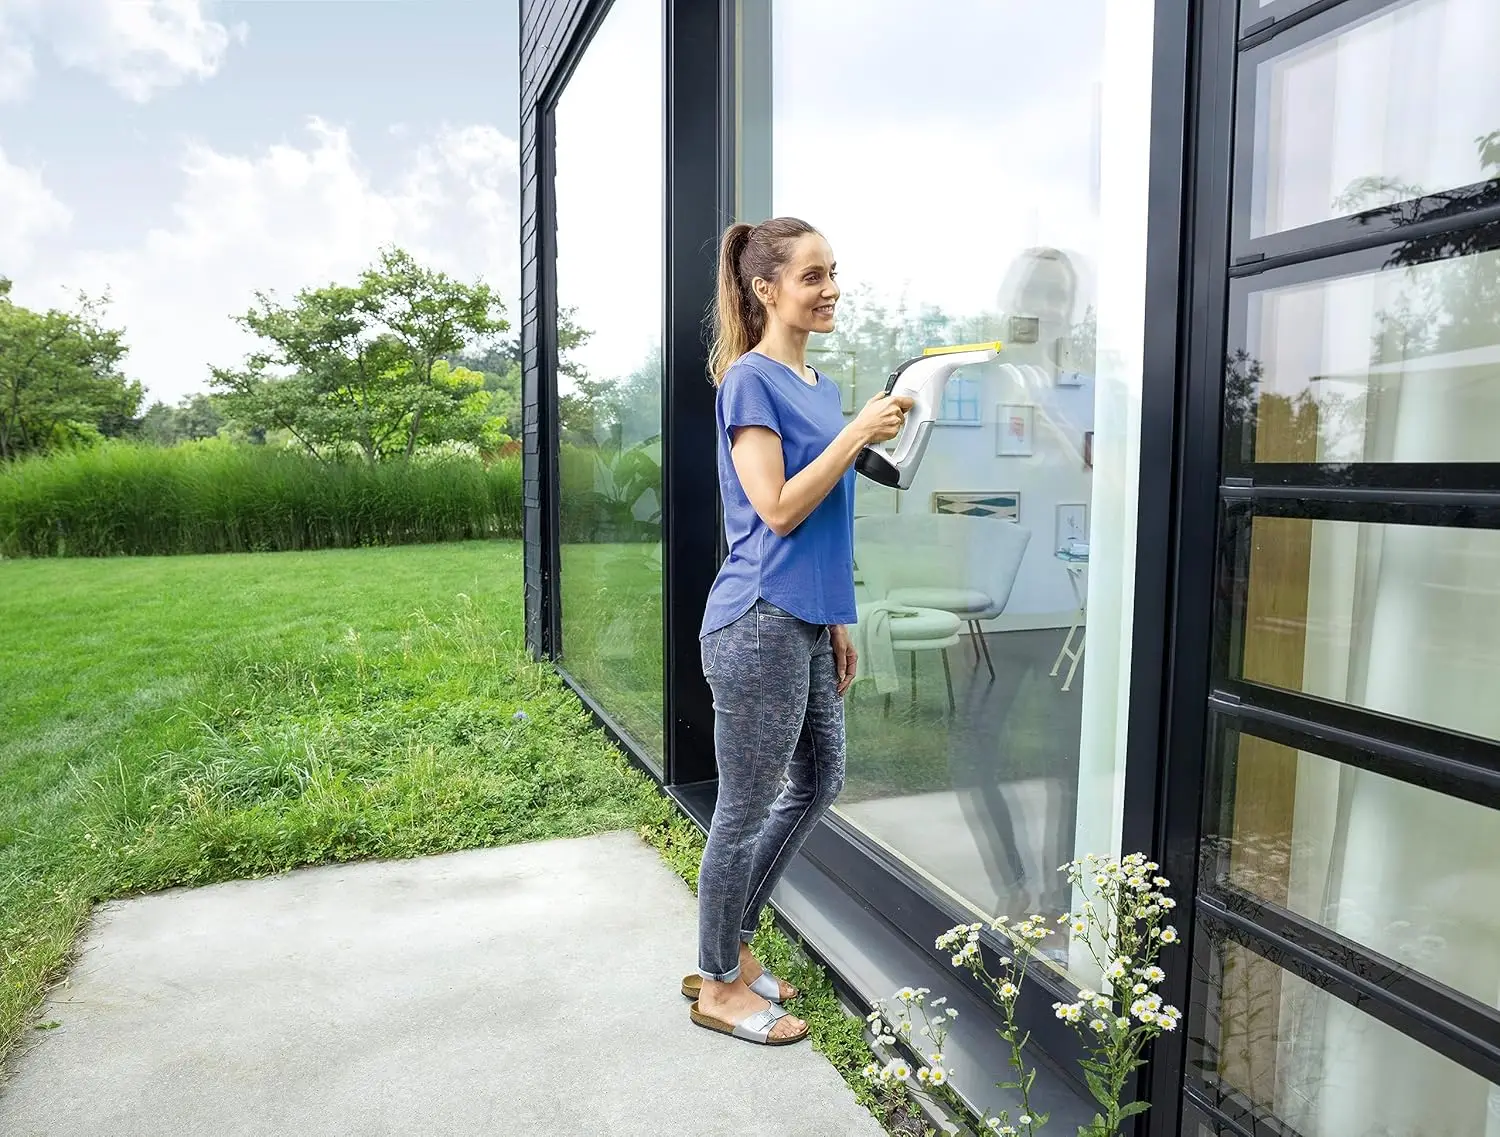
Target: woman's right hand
{"points": [[882, 418]]}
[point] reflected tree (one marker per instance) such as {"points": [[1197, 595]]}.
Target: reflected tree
{"points": [[1451, 305], [611, 455]]}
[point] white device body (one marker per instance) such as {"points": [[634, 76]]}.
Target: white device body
{"points": [[923, 380]]}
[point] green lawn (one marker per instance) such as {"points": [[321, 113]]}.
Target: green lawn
{"points": [[181, 720]]}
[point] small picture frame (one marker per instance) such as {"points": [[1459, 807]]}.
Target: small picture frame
{"points": [[1068, 374], [1014, 429], [1088, 449], [1072, 526], [1000, 505]]}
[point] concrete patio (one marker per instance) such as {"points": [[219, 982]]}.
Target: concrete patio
{"points": [[525, 990]]}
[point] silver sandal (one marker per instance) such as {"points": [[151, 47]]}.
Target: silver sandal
{"points": [[766, 985], [753, 1028]]}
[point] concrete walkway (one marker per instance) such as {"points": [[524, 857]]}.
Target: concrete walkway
{"points": [[523, 990]]}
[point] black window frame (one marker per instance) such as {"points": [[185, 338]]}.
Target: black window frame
{"points": [[1220, 493]]}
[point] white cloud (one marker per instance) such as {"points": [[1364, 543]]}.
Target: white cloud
{"points": [[137, 46], [292, 216], [28, 213], [17, 67]]}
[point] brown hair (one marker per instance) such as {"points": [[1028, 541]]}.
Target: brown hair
{"points": [[746, 252]]}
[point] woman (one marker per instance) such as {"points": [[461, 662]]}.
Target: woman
{"points": [[776, 649]]}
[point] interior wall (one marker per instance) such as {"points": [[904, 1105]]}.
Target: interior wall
{"points": [[963, 458]]}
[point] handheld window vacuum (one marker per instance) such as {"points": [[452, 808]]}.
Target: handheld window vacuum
{"points": [[922, 380]]}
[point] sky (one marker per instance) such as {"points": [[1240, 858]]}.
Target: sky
{"points": [[180, 155]]}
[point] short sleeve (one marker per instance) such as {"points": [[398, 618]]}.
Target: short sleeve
{"points": [[746, 399]]}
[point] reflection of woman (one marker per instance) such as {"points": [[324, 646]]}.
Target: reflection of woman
{"points": [[775, 649]]}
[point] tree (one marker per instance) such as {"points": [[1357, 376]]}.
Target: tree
{"points": [[365, 368], [60, 378], [194, 417]]}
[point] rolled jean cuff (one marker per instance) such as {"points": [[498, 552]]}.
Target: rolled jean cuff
{"points": [[746, 937], [727, 977]]}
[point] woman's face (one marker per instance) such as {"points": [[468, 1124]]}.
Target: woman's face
{"points": [[807, 292]]}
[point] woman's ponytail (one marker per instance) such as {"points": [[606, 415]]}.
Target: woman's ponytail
{"points": [[732, 308], [745, 253]]}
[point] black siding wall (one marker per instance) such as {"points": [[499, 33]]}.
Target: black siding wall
{"points": [[547, 27]]}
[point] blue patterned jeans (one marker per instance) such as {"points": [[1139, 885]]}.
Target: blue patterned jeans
{"points": [[779, 740]]}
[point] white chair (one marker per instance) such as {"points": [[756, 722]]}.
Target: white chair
{"points": [[955, 563], [922, 629]]}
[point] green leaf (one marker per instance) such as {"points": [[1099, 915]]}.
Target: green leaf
{"points": [[1098, 1088], [1134, 1108]]}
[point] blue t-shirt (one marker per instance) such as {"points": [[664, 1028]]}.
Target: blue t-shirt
{"points": [[810, 571]]}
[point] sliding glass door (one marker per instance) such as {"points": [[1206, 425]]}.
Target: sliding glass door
{"points": [[1348, 935]]}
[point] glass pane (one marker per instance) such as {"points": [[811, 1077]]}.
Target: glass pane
{"points": [[1326, 1069], [1396, 365], [1399, 619], [983, 749], [610, 367], [1403, 103], [1390, 865]]}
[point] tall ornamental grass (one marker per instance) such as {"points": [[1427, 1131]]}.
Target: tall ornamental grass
{"points": [[218, 497]]}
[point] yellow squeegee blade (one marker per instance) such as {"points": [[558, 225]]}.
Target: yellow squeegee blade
{"points": [[993, 345]]}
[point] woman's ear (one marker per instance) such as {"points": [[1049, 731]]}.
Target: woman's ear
{"points": [[765, 291]]}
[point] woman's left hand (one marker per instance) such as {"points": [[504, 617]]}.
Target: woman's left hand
{"points": [[845, 658]]}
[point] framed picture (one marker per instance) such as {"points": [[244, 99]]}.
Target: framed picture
{"points": [[1088, 449], [1068, 374], [1016, 423], [1004, 505], [1072, 525], [960, 403]]}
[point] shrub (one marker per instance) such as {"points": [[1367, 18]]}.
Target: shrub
{"points": [[218, 497]]}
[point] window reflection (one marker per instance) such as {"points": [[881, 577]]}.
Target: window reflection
{"points": [[1398, 619], [1381, 111], [1321, 839], [1319, 1066], [1400, 364], [609, 293], [984, 742]]}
